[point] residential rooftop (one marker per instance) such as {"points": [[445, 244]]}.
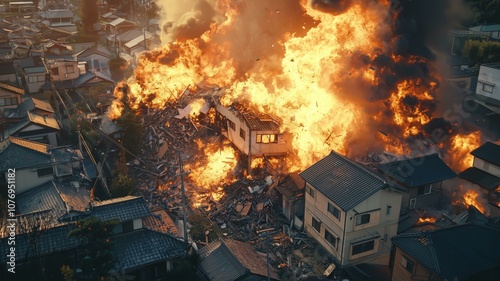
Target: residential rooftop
{"points": [[343, 181], [489, 152]]}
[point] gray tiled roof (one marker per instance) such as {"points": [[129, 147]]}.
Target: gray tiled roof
{"points": [[343, 181], [49, 241], [419, 170], [19, 157], [454, 253], [32, 103], [217, 262], [123, 208], [489, 152], [480, 178], [143, 247]]}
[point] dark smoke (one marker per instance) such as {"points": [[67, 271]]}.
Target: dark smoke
{"points": [[333, 7]]}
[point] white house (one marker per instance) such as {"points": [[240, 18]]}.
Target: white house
{"points": [[492, 29], [253, 134], [488, 84], [351, 211]]}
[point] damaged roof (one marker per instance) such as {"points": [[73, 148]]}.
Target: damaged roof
{"points": [[419, 170], [454, 253], [228, 260], [343, 181], [489, 152], [291, 186]]}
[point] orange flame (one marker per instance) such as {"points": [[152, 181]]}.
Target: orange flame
{"points": [[461, 146], [424, 220], [471, 199]]}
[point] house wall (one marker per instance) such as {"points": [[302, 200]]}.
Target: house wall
{"points": [[34, 81], [9, 99], [488, 84], [67, 70], [487, 166], [400, 273], [280, 148], [97, 63], [425, 200], [234, 135], [382, 225], [9, 77], [28, 178], [39, 134]]}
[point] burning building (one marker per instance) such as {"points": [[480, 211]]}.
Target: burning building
{"points": [[255, 135]]}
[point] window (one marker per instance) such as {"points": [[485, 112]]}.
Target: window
{"points": [[316, 224], [8, 101], [413, 203], [424, 189], [232, 125], [334, 211], [70, 69], [242, 133], [128, 226], [407, 264], [55, 71], [388, 210], [32, 79], [310, 191], [330, 238], [45, 172], [269, 138], [362, 219], [487, 88], [363, 247]]}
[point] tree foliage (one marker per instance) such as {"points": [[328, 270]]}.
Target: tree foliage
{"points": [[89, 14], [488, 11], [96, 256], [121, 184], [481, 51]]}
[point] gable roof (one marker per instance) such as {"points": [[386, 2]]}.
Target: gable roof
{"points": [[454, 253], [143, 247], [343, 181], [100, 50], [489, 152], [418, 171], [32, 103], [161, 222], [486, 28], [19, 153], [138, 40], [58, 13], [228, 260], [481, 178], [291, 186], [120, 21], [122, 208]]}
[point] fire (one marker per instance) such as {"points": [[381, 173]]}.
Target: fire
{"points": [[461, 146], [471, 197], [215, 168], [425, 220], [332, 77]]}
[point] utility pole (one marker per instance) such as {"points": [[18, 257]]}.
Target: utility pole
{"points": [[181, 174]]}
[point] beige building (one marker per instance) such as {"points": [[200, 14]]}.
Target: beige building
{"points": [[350, 210]]}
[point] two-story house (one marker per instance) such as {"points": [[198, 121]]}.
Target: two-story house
{"points": [[36, 163], [34, 127], [485, 172], [97, 58], [350, 210], [60, 19], [255, 135], [33, 72], [422, 177], [10, 95], [463, 252]]}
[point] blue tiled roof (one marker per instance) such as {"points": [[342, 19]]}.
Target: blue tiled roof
{"points": [[19, 157], [454, 253], [52, 240], [143, 247], [418, 171], [343, 181], [489, 152], [122, 208]]}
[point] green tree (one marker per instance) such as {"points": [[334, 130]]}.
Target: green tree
{"points": [[67, 273], [96, 256], [89, 11], [121, 184], [481, 51]]}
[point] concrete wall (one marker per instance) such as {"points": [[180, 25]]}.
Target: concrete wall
{"points": [[488, 84], [487, 166]]}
